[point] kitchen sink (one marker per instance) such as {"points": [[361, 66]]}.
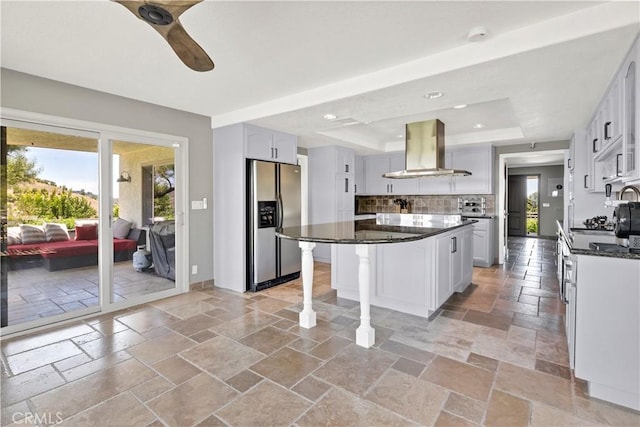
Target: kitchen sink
{"points": [[582, 238], [608, 247]]}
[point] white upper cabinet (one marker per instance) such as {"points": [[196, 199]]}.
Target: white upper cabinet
{"points": [[631, 124], [360, 176], [571, 157], [266, 144], [400, 186], [377, 165], [612, 131], [612, 113], [478, 161], [345, 161]]}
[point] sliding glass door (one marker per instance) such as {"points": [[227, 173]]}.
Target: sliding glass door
{"points": [[90, 222], [50, 188], [144, 193]]}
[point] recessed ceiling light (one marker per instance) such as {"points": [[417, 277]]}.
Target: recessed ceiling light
{"points": [[329, 116], [433, 95], [458, 107], [478, 126], [400, 136]]}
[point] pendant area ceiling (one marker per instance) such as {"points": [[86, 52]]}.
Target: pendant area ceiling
{"points": [[536, 76]]}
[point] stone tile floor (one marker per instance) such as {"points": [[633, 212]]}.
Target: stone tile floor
{"points": [[36, 293], [495, 355]]}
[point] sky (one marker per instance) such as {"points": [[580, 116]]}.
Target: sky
{"points": [[77, 170], [532, 185]]}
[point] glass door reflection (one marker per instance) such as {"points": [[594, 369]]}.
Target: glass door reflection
{"points": [[144, 190]]}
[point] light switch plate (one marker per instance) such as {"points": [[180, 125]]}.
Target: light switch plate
{"points": [[197, 204]]}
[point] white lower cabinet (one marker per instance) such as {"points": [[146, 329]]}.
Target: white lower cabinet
{"points": [[454, 261], [467, 259], [570, 317], [603, 324], [483, 232], [412, 277], [443, 284]]}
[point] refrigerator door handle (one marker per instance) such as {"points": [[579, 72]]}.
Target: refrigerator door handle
{"points": [[280, 211]]}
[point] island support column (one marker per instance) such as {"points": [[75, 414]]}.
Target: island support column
{"points": [[307, 315], [365, 334]]}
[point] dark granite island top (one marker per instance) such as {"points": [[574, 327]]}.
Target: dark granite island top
{"points": [[362, 234], [366, 231]]}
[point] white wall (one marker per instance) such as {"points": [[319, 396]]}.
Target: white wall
{"points": [[34, 94]]}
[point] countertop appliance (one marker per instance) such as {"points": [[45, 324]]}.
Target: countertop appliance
{"points": [[627, 225], [273, 201], [472, 205], [598, 223]]}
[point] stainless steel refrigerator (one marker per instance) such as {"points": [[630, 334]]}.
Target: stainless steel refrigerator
{"points": [[273, 200]]}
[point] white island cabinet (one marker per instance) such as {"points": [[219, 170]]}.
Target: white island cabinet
{"points": [[414, 277]]}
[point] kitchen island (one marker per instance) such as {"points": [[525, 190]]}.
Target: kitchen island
{"points": [[410, 263]]}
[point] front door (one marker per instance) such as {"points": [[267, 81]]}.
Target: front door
{"points": [[517, 205]]}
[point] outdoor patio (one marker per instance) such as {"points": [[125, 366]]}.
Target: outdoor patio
{"points": [[36, 293]]}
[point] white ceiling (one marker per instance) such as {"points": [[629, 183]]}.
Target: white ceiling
{"points": [[536, 77]]}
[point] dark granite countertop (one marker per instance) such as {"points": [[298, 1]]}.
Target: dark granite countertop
{"points": [[582, 247], [364, 231]]}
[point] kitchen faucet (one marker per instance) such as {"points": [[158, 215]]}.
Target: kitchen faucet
{"points": [[632, 188]]}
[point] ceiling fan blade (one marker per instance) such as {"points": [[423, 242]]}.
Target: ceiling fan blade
{"points": [[163, 16], [187, 49]]}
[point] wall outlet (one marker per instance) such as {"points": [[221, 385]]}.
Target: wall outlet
{"points": [[194, 269]]}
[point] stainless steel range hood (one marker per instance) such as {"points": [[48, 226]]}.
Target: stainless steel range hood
{"points": [[424, 151]]}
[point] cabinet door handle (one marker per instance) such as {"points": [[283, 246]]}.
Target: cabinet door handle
{"points": [[618, 171], [272, 152], [606, 131], [594, 149], [391, 185], [355, 188], [346, 185], [454, 245], [276, 153], [346, 168], [585, 181], [569, 163]]}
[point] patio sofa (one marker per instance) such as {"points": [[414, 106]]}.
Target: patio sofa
{"points": [[60, 253]]}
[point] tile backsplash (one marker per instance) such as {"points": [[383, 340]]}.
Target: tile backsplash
{"points": [[438, 204]]}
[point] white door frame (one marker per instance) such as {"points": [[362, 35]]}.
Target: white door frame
{"points": [[105, 133], [503, 159]]}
